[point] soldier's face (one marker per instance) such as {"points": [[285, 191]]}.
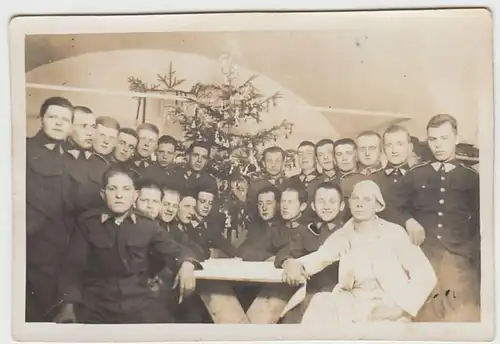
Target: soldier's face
{"points": [[273, 163], [198, 158], [104, 139], [170, 205], [204, 203], [149, 202], [165, 154], [307, 158], [397, 147], [326, 157], [125, 147], [187, 209], [327, 204], [345, 157], [290, 206], [363, 204], [120, 194], [83, 129], [442, 141], [56, 122], [148, 141], [266, 204], [368, 150]]}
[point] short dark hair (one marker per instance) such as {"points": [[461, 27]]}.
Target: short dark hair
{"points": [[345, 141], [188, 193], [129, 131], [301, 192], [329, 186], [146, 183], [306, 143], [56, 101], [200, 144], [208, 189], [148, 126], [167, 139], [270, 189], [167, 189], [324, 142], [369, 133], [107, 122], [273, 149], [397, 129], [438, 120], [83, 109], [116, 170]]}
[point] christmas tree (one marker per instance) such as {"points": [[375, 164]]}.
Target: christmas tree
{"points": [[215, 113]]}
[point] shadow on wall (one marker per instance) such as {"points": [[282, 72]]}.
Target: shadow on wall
{"points": [[110, 71]]}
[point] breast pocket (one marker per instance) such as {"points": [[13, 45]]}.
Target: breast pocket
{"points": [[137, 250]]}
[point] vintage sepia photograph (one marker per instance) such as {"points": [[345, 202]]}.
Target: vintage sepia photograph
{"points": [[322, 170]]}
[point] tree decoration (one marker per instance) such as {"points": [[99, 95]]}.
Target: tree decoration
{"points": [[215, 111]]}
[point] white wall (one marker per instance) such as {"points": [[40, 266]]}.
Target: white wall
{"points": [[110, 70]]}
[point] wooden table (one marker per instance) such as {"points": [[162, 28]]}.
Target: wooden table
{"points": [[215, 289]]}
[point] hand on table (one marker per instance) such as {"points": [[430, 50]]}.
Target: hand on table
{"points": [[293, 273], [66, 315]]}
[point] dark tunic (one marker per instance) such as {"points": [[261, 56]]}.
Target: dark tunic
{"points": [[186, 180], [444, 202], [270, 241], [48, 222], [106, 268]]}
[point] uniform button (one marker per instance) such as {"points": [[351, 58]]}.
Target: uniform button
{"points": [[443, 178], [395, 180], [440, 225], [441, 201], [440, 214], [439, 237], [442, 189]]}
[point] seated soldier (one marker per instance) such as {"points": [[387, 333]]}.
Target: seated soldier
{"points": [[207, 225], [328, 204], [169, 208], [293, 201], [105, 271], [267, 207], [150, 197]]}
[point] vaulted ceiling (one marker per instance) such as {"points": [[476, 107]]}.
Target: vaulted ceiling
{"points": [[415, 66]]}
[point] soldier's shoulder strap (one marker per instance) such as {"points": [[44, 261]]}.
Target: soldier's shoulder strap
{"points": [[419, 165]]}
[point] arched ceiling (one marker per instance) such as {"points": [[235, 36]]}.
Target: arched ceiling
{"points": [[412, 67]]}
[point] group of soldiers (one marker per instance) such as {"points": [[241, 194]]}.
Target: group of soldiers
{"points": [[110, 229]]}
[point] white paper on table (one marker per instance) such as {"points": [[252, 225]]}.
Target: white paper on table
{"points": [[296, 298]]}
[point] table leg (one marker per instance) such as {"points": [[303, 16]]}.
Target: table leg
{"points": [[221, 302], [270, 302]]}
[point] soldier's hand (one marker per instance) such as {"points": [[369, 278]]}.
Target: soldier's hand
{"points": [[415, 231], [66, 315], [293, 273], [185, 279]]}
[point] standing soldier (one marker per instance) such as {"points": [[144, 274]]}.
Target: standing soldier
{"points": [[82, 132], [273, 160], [88, 190], [345, 156], [125, 147], [194, 175], [148, 142], [47, 195], [369, 149], [306, 153], [162, 169], [105, 270], [438, 201], [397, 149]]}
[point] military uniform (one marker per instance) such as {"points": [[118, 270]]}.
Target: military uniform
{"points": [[308, 215], [444, 199], [187, 180], [388, 180], [273, 241], [106, 268], [310, 238], [48, 223], [255, 187], [206, 234]]}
